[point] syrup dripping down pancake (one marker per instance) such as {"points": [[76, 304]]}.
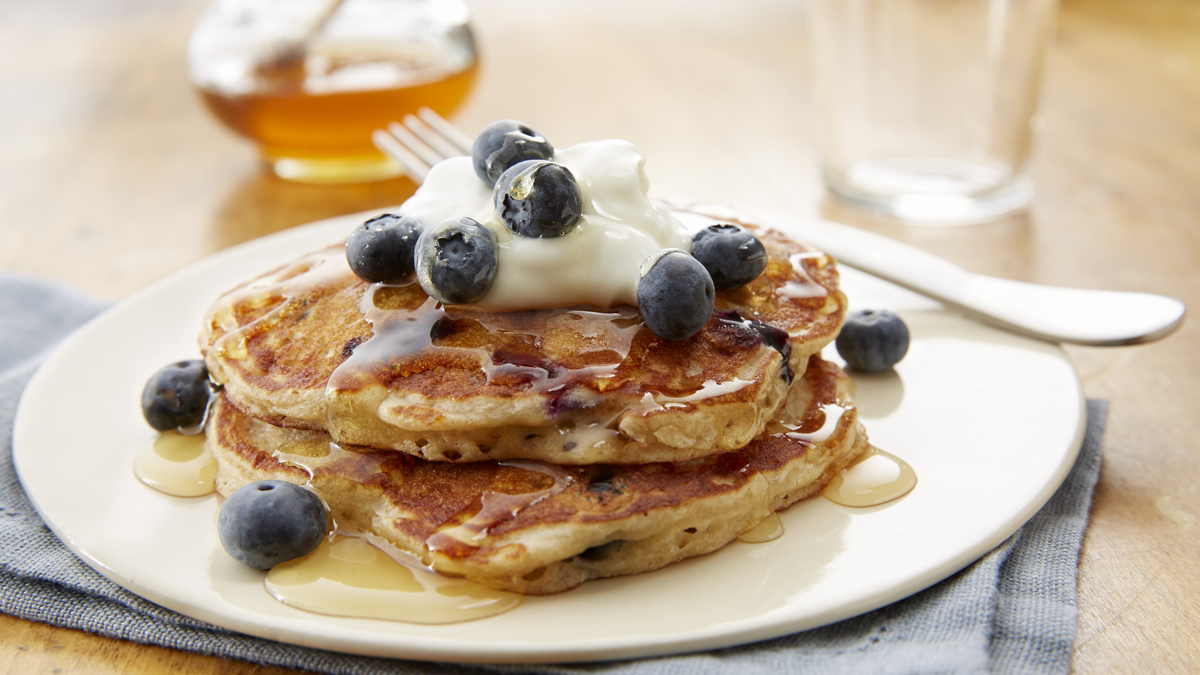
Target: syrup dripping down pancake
{"points": [[537, 528]]}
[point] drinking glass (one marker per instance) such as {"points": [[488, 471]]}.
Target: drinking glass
{"points": [[308, 80], [926, 108]]}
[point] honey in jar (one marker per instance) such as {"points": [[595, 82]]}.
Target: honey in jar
{"points": [[311, 111]]}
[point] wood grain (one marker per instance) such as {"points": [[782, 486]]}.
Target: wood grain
{"points": [[112, 176]]}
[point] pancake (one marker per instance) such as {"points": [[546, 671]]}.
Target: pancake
{"points": [[311, 346], [539, 528]]}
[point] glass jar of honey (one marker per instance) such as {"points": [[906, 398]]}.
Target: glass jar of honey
{"points": [[309, 80]]}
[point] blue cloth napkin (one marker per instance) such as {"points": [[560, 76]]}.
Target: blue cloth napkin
{"points": [[1013, 611]]}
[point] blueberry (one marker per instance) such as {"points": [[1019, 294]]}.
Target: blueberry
{"points": [[272, 521], [176, 396], [732, 255], [873, 340], [382, 248], [456, 260], [538, 199], [504, 143], [675, 295]]}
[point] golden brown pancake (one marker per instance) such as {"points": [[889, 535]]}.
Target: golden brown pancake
{"points": [[537, 528], [311, 346]]}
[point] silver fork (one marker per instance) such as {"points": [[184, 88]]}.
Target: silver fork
{"points": [[420, 142], [1052, 313]]}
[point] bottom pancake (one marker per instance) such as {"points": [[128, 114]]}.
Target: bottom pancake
{"points": [[538, 528]]}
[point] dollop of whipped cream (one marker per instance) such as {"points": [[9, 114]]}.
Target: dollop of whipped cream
{"points": [[597, 263]]}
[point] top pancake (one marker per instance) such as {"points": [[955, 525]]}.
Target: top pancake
{"points": [[312, 346]]}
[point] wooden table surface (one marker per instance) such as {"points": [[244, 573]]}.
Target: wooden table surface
{"points": [[112, 176]]}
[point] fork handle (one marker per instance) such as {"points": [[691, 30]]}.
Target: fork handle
{"points": [[1053, 313]]}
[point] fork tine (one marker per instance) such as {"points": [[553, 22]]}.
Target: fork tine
{"points": [[422, 141], [448, 131], [430, 136], [415, 145], [414, 166]]}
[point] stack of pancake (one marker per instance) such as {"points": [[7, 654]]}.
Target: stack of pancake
{"points": [[533, 450]]}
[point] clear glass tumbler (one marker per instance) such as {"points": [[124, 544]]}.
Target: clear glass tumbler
{"points": [[926, 108], [308, 80]]}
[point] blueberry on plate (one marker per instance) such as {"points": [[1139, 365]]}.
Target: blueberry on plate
{"points": [[504, 143], [456, 260], [675, 294], [873, 340], [382, 248], [731, 254], [538, 199], [176, 396], [272, 521]]}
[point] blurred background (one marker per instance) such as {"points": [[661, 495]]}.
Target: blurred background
{"points": [[113, 174], [104, 134]]}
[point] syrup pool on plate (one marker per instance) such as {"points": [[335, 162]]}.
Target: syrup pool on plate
{"points": [[768, 529], [344, 576], [348, 576], [177, 465], [368, 578], [876, 478]]}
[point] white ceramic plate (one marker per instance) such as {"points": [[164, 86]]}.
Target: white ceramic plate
{"points": [[990, 421]]}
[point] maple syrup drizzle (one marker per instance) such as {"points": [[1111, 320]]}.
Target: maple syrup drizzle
{"points": [[497, 507], [804, 286], [367, 577], [287, 290], [409, 328], [514, 348], [768, 529], [353, 577], [710, 389], [312, 455], [614, 329], [801, 429], [876, 478], [176, 464]]}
